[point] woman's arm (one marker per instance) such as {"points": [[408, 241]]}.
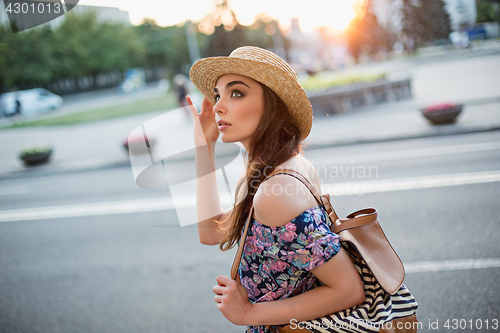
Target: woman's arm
{"points": [[208, 205], [342, 289]]}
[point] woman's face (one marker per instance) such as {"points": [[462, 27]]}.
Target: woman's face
{"points": [[239, 107]]}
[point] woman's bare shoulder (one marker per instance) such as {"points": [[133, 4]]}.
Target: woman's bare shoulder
{"points": [[300, 164], [281, 198]]}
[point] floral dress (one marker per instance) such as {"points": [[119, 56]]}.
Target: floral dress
{"points": [[276, 261]]}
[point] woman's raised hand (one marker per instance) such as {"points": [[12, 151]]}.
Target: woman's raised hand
{"points": [[209, 131]]}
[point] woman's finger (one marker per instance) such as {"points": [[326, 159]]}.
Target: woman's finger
{"points": [[191, 106], [218, 290], [218, 298], [206, 105], [223, 280]]}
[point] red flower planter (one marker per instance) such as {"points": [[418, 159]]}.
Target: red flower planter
{"points": [[442, 113], [136, 144]]}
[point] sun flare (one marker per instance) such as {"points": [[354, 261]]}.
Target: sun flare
{"points": [[336, 14]]}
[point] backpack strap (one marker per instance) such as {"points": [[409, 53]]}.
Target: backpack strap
{"points": [[239, 253], [322, 200]]}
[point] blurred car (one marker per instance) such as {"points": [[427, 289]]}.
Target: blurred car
{"points": [[135, 79], [32, 101]]}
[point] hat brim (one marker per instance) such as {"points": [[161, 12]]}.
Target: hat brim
{"points": [[205, 73]]}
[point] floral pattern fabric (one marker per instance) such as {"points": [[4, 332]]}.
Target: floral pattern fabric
{"points": [[276, 261]]}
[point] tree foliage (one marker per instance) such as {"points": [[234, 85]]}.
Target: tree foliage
{"points": [[222, 41], [260, 32], [164, 47], [365, 35], [167, 47], [424, 21], [487, 11], [80, 46], [225, 33], [24, 59]]}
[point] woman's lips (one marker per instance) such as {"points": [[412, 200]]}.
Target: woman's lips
{"points": [[222, 125]]}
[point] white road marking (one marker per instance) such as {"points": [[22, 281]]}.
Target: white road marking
{"points": [[405, 154], [91, 209], [414, 183], [163, 204], [104, 208], [450, 265]]}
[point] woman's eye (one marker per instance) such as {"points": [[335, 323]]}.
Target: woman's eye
{"points": [[236, 94], [217, 97]]}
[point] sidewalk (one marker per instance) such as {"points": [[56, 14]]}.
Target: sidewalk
{"points": [[398, 121], [97, 145]]}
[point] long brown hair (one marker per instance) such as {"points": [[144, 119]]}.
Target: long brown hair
{"points": [[276, 140]]}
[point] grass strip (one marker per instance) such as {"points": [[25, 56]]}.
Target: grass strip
{"points": [[161, 103], [319, 82]]}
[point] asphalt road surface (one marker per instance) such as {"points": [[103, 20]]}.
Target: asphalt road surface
{"points": [[83, 252]]}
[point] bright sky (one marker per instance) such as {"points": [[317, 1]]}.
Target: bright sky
{"points": [[311, 13]]}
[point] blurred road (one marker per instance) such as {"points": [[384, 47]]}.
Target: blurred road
{"points": [[141, 272]]}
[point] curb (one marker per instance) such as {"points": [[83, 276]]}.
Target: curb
{"points": [[309, 145], [29, 173], [452, 131]]}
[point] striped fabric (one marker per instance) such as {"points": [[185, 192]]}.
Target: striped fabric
{"points": [[376, 312]]}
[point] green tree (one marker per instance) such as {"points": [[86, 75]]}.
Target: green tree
{"points": [[488, 11], [177, 51], [256, 34], [264, 32], [222, 41], [165, 47], [26, 57], [81, 46], [224, 33], [88, 47], [365, 35], [227, 34], [151, 37], [4, 54], [424, 21]]}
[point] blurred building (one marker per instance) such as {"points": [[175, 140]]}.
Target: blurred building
{"points": [[4, 19], [316, 50], [462, 13], [104, 14]]}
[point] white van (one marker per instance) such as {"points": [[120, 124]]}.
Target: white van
{"points": [[32, 102]]}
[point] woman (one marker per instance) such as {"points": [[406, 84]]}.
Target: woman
{"points": [[253, 97]]}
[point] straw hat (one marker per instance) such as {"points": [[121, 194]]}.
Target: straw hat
{"points": [[262, 66]]}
